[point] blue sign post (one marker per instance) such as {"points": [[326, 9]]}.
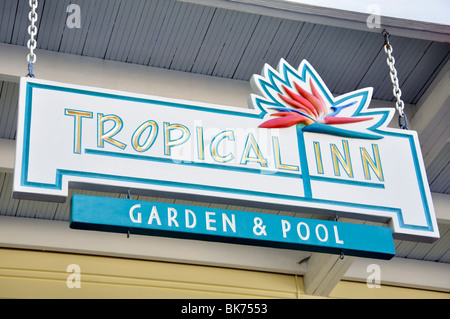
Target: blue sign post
{"points": [[230, 226]]}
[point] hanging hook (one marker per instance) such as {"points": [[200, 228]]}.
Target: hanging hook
{"points": [[30, 70], [304, 260], [342, 255], [403, 122], [386, 36]]}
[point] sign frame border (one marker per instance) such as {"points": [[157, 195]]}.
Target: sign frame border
{"points": [[23, 137]]}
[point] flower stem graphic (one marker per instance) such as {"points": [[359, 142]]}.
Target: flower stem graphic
{"points": [[331, 130]]}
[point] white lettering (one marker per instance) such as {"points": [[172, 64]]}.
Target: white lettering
{"points": [[198, 309], [285, 226], [74, 18], [306, 237], [231, 223], [259, 228], [209, 221], [336, 235], [374, 19], [171, 215], [74, 279], [325, 230], [374, 279], [139, 218], [188, 213], [153, 215]]}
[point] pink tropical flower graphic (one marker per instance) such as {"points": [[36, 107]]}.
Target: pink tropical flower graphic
{"points": [[307, 109], [300, 98]]}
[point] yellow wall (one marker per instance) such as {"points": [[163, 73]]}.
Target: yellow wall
{"points": [[32, 274], [357, 290], [35, 274]]}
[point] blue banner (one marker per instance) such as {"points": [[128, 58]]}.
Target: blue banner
{"points": [[230, 226]]}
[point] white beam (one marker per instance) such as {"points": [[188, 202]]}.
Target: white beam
{"points": [[441, 204], [50, 235], [324, 273], [81, 70], [432, 117], [75, 69], [7, 155], [432, 11], [427, 20], [402, 272]]}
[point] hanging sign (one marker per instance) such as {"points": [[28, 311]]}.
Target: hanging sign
{"points": [[230, 226], [296, 148]]}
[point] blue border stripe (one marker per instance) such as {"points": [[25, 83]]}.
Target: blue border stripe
{"points": [[197, 164], [146, 101], [229, 168], [346, 181]]}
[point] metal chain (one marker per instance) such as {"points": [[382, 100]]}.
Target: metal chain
{"points": [[399, 105], [32, 31]]}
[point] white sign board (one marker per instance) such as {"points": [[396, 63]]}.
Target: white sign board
{"points": [[296, 148]]}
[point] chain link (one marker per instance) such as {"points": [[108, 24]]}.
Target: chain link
{"points": [[399, 105], [32, 31]]}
